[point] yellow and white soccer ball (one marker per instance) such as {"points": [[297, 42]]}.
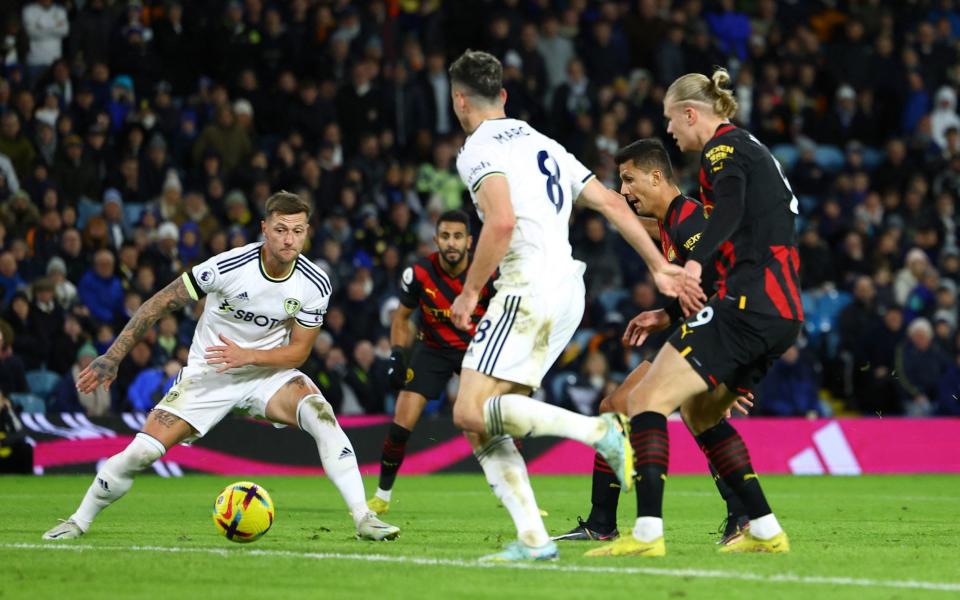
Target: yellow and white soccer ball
{"points": [[243, 512]]}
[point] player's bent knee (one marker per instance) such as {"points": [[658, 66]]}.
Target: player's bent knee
{"points": [[315, 406], [468, 417]]}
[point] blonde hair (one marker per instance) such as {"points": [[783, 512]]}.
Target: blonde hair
{"points": [[696, 87]]}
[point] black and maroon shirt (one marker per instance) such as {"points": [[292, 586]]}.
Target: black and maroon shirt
{"points": [[758, 266], [681, 228], [427, 286]]}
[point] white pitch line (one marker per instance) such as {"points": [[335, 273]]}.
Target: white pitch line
{"points": [[524, 566]]}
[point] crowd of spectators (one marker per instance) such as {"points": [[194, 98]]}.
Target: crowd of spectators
{"points": [[138, 138]]}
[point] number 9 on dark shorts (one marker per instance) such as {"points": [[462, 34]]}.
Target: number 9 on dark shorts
{"points": [[727, 345]]}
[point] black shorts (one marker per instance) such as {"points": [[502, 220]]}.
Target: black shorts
{"points": [[727, 345], [430, 369]]}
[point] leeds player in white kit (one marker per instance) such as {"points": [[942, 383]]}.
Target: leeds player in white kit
{"points": [[264, 308], [524, 185]]}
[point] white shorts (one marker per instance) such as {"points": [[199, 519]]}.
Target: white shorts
{"points": [[202, 397], [521, 336]]}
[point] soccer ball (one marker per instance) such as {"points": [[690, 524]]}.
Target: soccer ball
{"points": [[243, 512]]}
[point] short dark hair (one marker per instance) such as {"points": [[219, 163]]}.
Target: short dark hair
{"points": [[454, 216], [285, 203], [478, 71], [647, 154]]}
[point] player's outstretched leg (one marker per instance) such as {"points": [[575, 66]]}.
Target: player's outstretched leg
{"points": [[394, 450], [726, 451], [113, 480], [605, 491], [506, 473], [315, 416], [521, 416]]}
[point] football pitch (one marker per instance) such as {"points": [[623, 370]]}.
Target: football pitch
{"points": [[861, 537]]}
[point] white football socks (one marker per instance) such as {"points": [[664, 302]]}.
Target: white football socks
{"points": [[315, 416], [648, 529], [765, 527], [115, 478], [520, 416], [507, 475], [384, 494]]}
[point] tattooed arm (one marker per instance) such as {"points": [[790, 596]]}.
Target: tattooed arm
{"points": [[103, 369]]}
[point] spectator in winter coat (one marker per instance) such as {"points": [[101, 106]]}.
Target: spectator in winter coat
{"points": [[920, 366], [100, 290], [790, 388]]}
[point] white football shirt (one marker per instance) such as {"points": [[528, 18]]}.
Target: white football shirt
{"points": [[248, 306], [545, 180]]}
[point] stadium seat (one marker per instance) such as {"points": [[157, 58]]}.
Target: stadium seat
{"points": [[42, 382], [87, 208], [132, 211], [609, 299], [29, 403]]}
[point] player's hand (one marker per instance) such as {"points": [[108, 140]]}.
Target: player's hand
{"points": [[462, 310], [690, 293], [102, 371], [642, 325], [228, 356], [742, 405], [397, 371], [668, 279]]}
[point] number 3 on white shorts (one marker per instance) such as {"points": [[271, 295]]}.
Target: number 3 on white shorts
{"points": [[481, 333]]}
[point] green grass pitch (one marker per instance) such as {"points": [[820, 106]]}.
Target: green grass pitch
{"points": [[863, 537]]}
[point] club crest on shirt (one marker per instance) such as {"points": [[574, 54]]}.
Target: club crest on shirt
{"points": [[291, 305]]}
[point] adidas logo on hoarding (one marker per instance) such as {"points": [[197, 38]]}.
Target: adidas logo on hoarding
{"points": [[830, 453]]}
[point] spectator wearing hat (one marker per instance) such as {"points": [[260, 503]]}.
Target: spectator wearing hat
{"points": [[121, 102], [64, 291], [237, 213], [100, 289], [68, 399], [112, 214], [171, 198], [190, 244], [908, 277], [163, 255]]}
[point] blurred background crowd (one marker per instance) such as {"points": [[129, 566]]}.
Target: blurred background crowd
{"points": [[138, 138]]}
